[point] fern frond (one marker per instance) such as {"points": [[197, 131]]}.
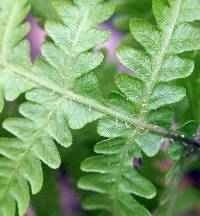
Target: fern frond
{"points": [[149, 95], [12, 49], [66, 95], [50, 112]]}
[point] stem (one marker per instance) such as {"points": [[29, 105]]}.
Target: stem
{"points": [[20, 71]]}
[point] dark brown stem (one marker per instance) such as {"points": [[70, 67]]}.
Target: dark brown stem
{"points": [[184, 139]]}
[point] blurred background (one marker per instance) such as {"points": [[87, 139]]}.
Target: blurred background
{"points": [[59, 195]]}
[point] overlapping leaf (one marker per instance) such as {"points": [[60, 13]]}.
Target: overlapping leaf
{"points": [[149, 95], [49, 114]]}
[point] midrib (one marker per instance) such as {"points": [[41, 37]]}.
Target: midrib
{"points": [[81, 26], [89, 102], [158, 63], [71, 49], [159, 60]]}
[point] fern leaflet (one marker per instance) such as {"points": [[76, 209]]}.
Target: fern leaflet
{"points": [[49, 114], [12, 49], [149, 95]]}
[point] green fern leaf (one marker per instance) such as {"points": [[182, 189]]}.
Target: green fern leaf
{"points": [[49, 113], [64, 94], [149, 95], [13, 50]]}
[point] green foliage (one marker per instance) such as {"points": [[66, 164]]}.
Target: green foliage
{"points": [[49, 195], [13, 50], [106, 78], [189, 109], [49, 13], [126, 9], [49, 114], [148, 94], [184, 202], [174, 201], [64, 91]]}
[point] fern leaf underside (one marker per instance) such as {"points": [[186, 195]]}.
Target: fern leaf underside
{"points": [[47, 114], [62, 86], [149, 95]]}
